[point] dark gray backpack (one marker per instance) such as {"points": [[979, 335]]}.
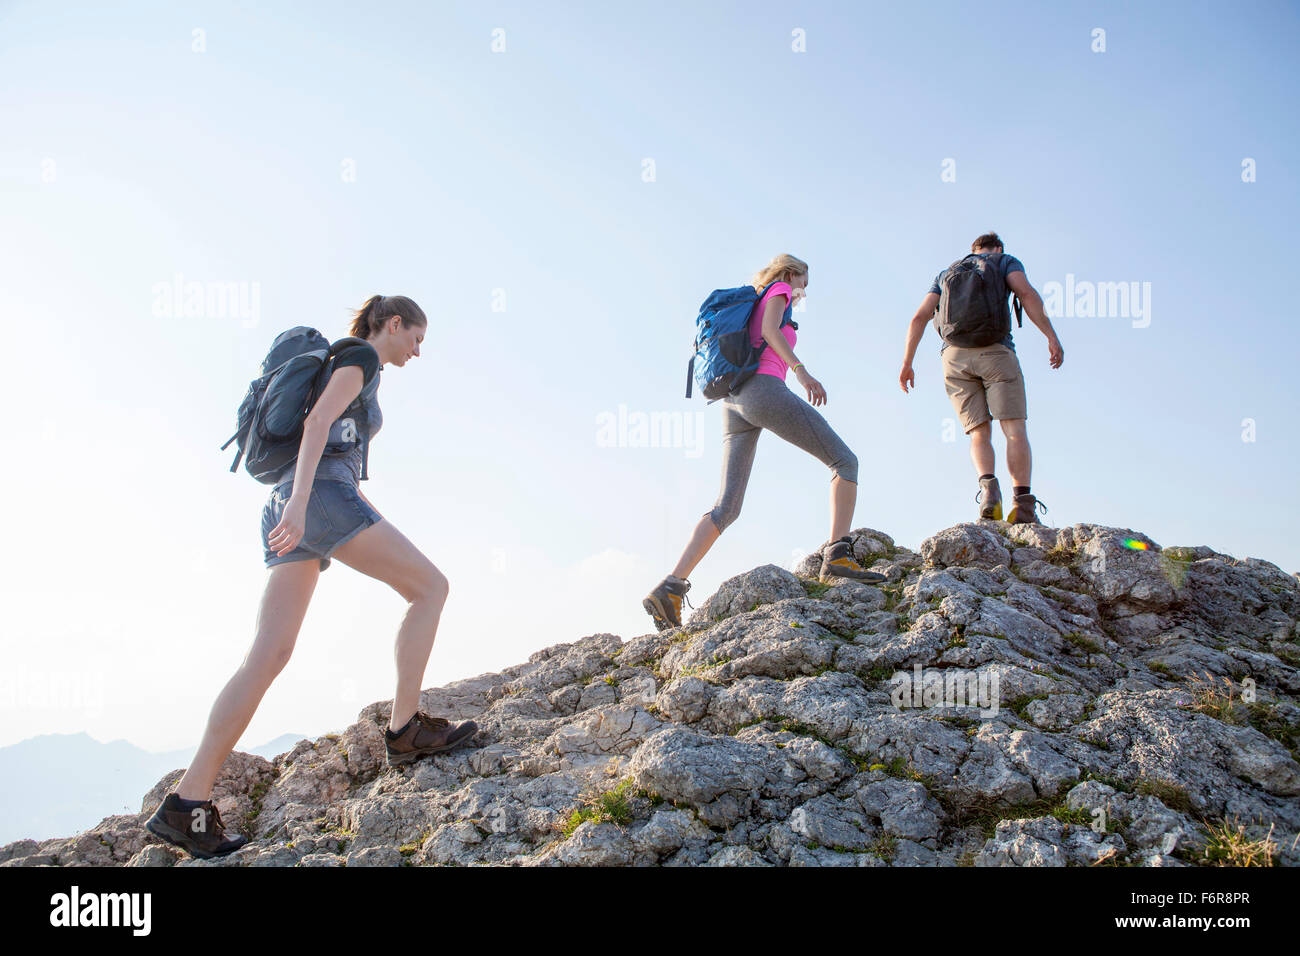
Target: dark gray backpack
{"points": [[973, 309], [270, 418]]}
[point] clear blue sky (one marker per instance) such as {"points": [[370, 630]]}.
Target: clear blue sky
{"points": [[130, 588]]}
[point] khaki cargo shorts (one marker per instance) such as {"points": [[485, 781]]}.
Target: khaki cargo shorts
{"points": [[984, 383]]}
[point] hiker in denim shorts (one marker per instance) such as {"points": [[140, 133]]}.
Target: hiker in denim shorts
{"points": [[315, 512]]}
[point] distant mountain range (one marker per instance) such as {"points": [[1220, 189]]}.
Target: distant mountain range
{"points": [[65, 783]]}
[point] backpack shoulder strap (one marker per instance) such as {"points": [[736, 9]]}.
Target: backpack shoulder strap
{"points": [[956, 267], [365, 442], [346, 342], [351, 342]]}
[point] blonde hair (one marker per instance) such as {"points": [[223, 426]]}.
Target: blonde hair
{"points": [[784, 267]]}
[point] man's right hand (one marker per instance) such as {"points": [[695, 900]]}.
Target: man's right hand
{"points": [[907, 377], [1055, 354]]}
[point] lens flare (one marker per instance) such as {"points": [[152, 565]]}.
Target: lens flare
{"points": [[1136, 545]]}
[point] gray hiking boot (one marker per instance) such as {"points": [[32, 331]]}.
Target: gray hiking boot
{"points": [[990, 499], [1022, 512], [838, 562], [664, 603]]}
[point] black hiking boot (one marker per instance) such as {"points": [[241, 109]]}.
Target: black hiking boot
{"points": [[664, 603], [990, 499], [196, 830], [838, 562], [424, 735], [1022, 512]]}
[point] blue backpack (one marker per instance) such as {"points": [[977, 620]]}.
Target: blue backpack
{"points": [[271, 416], [724, 359]]}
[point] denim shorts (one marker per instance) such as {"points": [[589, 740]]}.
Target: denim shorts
{"points": [[335, 513]]}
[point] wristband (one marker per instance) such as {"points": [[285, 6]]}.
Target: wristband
{"points": [[797, 366]]}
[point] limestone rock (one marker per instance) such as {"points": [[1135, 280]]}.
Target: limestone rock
{"points": [[1007, 668]]}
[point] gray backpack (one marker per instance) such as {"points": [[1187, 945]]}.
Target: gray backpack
{"points": [[270, 418], [973, 309]]}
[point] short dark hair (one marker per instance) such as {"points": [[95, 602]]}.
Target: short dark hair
{"points": [[989, 240]]}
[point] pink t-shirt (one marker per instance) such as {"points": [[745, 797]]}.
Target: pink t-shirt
{"points": [[769, 363]]}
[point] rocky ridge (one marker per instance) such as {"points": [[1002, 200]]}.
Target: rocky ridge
{"points": [[1012, 695]]}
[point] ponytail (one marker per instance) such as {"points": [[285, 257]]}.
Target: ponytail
{"points": [[361, 318], [367, 320]]}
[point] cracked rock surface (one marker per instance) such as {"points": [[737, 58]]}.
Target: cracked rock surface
{"points": [[1010, 696]]}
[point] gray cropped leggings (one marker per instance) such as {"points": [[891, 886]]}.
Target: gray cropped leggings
{"points": [[765, 402]]}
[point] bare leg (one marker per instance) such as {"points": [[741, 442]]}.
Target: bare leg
{"points": [[981, 448], [1019, 457], [289, 588], [383, 552], [702, 538], [844, 496]]}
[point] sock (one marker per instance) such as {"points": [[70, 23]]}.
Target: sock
{"points": [[188, 804], [394, 735], [986, 477], [1020, 490], [676, 580]]}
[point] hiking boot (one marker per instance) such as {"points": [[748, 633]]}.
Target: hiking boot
{"points": [[197, 830], [664, 603], [838, 562], [990, 499], [426, 735], [1022, 512]]}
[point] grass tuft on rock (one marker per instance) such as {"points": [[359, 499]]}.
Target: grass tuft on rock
{"points": [[608, 806]]}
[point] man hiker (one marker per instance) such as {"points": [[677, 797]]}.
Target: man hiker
{"points": [[968, 301]]}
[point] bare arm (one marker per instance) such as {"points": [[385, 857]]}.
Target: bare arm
{"points": [[915, 330], [1018, 282], [772, 313], [343, 388]]}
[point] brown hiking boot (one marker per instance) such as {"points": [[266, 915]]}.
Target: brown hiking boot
{"points": [[197, 830], [838, 562], [664, 603], [426, 735], [1022, 512], [990, 499]]}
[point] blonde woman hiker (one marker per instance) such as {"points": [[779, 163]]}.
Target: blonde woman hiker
{"points": [[747, 369], [317, 512]]}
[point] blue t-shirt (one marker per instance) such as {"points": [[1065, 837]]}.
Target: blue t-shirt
{"points": [[1010, 264], [342, 457]]}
